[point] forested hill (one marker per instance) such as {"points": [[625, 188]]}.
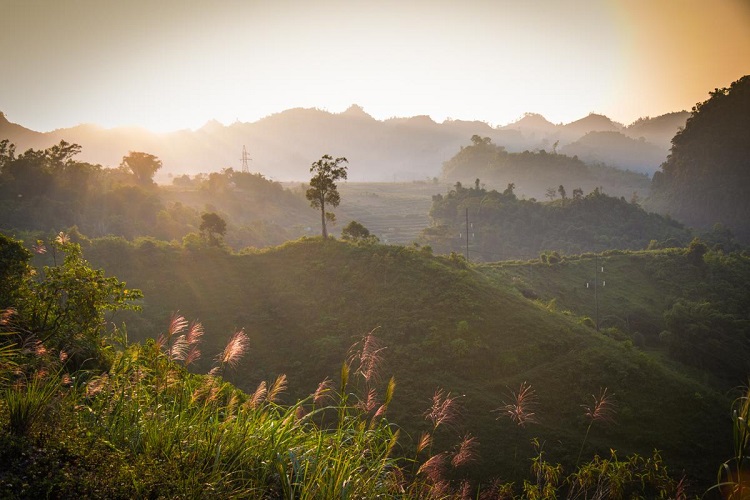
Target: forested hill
{"points": [[46, 190], [501, 226], [532, 173], [444, 324], [707, 175]]}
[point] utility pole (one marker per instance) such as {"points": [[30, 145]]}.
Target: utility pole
{"points": [[597, 270], [244, 159], [467, 234]]}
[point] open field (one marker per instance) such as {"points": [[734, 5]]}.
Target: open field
{"points": [[394, 212]]}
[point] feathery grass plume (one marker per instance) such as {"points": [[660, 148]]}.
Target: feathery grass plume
{"points": [[466, 452], [435, 467], [193, 354], [425, 441], [299, 413], [440, 490], [367, 353], [62, 238], [96, 385], [178, 349], [602, 410], [521, 408], [195, 332], [39, 247], [39, 350], [258, 396], [322, 390], [234, 350], [369, 403], [5, 316], [466, 490], [444, 409], [279, 386]]}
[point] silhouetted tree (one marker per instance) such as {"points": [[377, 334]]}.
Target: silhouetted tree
{"points": [[143, 166], [213, 228], [354, 231], [323, 189]]}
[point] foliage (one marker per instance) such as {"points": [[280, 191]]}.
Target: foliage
{"points": [[322, 191], [64, 306], [147, 427], [449, 324], [705, 178], [533, 172], [732, 479], [501, 226], [213, 228], [143, 166], [356, 232]]}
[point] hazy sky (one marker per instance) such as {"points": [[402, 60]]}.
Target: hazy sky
{"points": [[170, 64]]}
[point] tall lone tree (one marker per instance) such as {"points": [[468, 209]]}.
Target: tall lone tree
{"points": [[326, 172], [143, 166]]}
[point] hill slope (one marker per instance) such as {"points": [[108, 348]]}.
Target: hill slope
{"points": [[445, 325]]}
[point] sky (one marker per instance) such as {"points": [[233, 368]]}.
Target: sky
{"points": [[167, 65]]}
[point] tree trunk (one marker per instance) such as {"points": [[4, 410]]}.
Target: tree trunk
{"points": [[323, 220]]}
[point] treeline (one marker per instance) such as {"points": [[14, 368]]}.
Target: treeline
{"points": [[534, 172], [502, 226], [48, 190], [706, 178]]}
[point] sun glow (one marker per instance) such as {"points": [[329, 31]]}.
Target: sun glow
{"points": [[492, 61]]}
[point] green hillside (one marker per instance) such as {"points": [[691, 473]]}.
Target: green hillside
{"points": [[446, 325], [534, 172], [501, 226]]}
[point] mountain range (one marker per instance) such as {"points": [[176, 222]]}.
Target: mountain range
{"points": [[283, 145]]}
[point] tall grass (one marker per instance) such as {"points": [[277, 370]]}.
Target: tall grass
{"points": [[733, 478], [232, 444], [28, 400], [200, 437]]}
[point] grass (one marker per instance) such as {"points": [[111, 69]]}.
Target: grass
{"points": [[462, 328], [148, 428]]}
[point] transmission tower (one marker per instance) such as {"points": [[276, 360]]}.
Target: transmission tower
{"points": [[245, 159]]}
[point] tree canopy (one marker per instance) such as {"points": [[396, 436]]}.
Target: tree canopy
{"points": [[143, 166], [706, 177], [322, 191], [213, 228]]}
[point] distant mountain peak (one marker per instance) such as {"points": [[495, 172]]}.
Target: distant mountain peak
{"points": [[531, 121], [357, 111], [595, 122], [212, 126]]}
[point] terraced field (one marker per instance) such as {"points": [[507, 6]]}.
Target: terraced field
{"points": [[394, 212]]}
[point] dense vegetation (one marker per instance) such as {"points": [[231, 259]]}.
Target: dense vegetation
{"points": [[470, 335], [706, 177], [502, 226], [47, 190], [534, 172], [96, 428]]}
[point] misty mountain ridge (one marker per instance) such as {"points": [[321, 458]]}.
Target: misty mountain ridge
{"points": [[283, 145]]}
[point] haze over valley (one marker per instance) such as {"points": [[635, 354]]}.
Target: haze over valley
{"points": [[405, 250]]}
